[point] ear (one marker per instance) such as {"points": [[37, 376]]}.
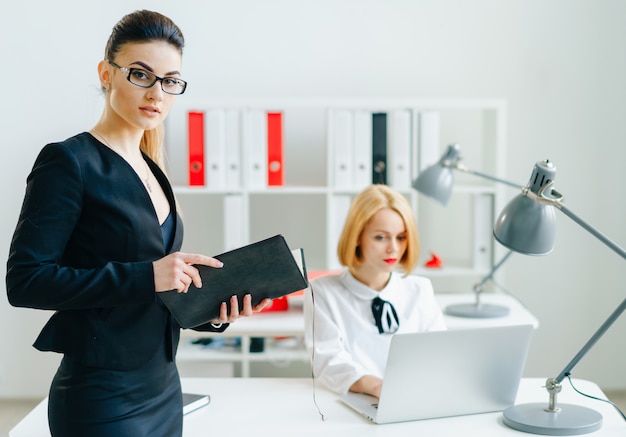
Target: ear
{"points": [[104, 74]]}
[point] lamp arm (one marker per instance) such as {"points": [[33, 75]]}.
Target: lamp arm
{"points": [[555, 198], [592, 341], [462, 168], [478, 287], [593, 231], [615, 314]]}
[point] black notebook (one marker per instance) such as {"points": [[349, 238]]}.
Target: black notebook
{"points": [[267, 268]]}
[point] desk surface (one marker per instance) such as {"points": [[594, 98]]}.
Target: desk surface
{"points": [[518, 313], [286, 407]]}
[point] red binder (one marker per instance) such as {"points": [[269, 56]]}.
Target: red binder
{"points": [[275, 168], [195, 142]]}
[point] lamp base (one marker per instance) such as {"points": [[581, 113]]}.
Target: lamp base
{"points": [[474, 311], [569, 420]]}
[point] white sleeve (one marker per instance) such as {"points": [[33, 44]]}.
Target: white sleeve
{"points": [[332, 364]]}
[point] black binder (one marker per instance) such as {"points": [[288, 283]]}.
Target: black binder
{"points": [[267, 268], [379, 148]]}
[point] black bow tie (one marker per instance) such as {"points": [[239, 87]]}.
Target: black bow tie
{"points": [[385, 316]]}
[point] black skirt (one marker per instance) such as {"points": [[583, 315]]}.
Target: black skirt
{"points": [[94, 402]]}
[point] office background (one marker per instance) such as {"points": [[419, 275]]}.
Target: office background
{"points": [[560, 64]]}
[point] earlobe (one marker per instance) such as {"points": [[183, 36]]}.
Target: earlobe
{"points": [[104, 74]]}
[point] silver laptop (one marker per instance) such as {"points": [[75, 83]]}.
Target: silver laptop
{"points": [[448, 373]]}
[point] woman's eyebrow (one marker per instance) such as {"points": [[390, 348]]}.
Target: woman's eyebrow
{"points": [[148, 68]]}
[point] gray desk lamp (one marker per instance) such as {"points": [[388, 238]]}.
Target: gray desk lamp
{"points": [[527, 225], [437, 181], [478, 310]]}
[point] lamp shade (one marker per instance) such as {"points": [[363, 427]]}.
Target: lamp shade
{"points": [[527, 225], [437, 180]]}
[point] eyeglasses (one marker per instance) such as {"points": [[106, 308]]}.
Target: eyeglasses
{"points": [[145, 79]]}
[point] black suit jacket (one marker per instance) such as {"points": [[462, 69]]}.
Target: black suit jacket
{"points": [[84, 245]]}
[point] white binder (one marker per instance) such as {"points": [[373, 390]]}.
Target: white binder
{"points": [[233, 149], [234, 223], [399, 149], [428, 139], [342, 140], [215, 148], [362, 149], [338, 207], [255, 148]]}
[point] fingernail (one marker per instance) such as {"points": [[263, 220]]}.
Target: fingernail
{"points": [[220, 264]]}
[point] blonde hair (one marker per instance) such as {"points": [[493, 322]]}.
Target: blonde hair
{"points": [[152, 145], [367, 203]]}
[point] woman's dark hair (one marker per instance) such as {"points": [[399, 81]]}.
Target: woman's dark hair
{"points": [[143, 26]]}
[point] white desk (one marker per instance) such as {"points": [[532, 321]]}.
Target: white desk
{"points": [[284, 407], [518, 314]]}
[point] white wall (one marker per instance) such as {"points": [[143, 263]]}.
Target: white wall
{"points": [[560, 64]]}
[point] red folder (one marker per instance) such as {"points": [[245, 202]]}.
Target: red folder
{"points": [[275, 168], [195, 142]]}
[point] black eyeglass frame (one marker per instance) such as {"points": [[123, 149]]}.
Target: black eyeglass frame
{"points": [[129, 72]]}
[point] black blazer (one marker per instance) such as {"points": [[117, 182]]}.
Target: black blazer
{"points": [[84, 245]]}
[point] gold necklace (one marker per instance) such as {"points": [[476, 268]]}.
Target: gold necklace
{"points": [[146, 181]]}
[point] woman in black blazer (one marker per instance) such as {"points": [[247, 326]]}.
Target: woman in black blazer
{"points": [[99, 236]]}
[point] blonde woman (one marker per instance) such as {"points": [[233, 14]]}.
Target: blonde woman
{"points": [[351, 316]]}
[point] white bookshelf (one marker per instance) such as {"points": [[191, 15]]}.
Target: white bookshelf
{"points": [[307, 209], [302, 209], [282, 331]]}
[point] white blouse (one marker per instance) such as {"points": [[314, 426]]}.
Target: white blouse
{"points": [[340, 332]]}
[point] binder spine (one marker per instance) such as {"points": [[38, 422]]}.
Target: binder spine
{"points": [[338, 208], [428, 139], [362, 149], [233, 149], [275, 167], [234, 225], [255, 149], [215, 134], [195, 145], [343, 149], [379, 148], [399, 151]]}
